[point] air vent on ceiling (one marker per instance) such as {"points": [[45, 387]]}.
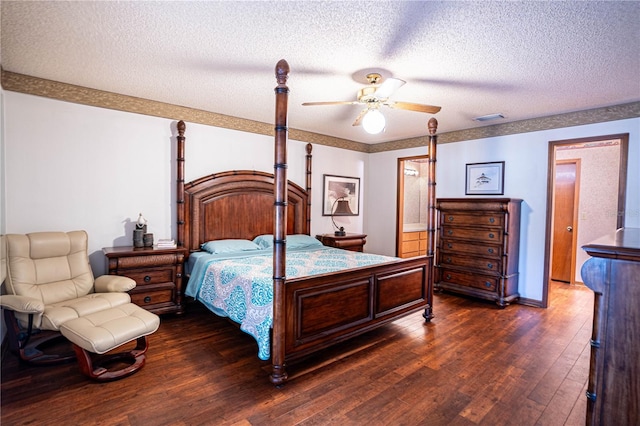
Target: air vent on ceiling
{"points": [[489, 117]]}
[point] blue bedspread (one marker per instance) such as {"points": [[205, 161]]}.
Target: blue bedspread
{"points": [[241, 286]]}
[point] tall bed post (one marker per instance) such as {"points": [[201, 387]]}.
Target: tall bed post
{"points": [[278, 373], [180, 184], [308, 188], [431, 218]]}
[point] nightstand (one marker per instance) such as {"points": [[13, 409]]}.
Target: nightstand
{"points": [[157, 272], [353, 242]]}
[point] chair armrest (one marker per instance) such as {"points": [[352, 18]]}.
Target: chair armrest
{"points": [[113, 284], [23, 304]]}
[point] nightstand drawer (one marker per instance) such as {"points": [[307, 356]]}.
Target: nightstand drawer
{"points": [[152, 295], [149, 260], [151, 276]]}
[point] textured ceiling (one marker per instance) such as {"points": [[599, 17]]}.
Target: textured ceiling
{"points": [[521, 59]]}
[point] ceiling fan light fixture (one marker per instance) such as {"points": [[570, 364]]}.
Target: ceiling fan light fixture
{"points": [[373, 122]]}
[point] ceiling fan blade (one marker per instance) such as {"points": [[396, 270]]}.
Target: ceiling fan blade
{"points": [[430, 109], [360, 117], [388, 86], [331, 103]]}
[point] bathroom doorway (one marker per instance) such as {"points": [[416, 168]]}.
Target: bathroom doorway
{"points": [[411, 235]]}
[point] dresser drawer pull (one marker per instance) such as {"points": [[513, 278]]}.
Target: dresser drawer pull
{"points": [[491, 220], [490, 250], [449, 245], [450, 218], [147, 278], [450, 232], [448, 276], [448, 260], [492, 235], [147, 299], [487, 284], [490, 265]]}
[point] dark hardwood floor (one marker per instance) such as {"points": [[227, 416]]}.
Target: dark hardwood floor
{"points": [[473, 364]]}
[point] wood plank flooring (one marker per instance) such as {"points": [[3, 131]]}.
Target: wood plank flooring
{"points": [[474, 364]]}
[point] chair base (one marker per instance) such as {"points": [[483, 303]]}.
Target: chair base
{"points": [[37, 351], [97, 367], [37, 347]]}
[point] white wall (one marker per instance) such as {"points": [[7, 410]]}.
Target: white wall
{"points": [[526, 157], [69, 166]]}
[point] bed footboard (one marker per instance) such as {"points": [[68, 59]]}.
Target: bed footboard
{"points": [[326, 309]]}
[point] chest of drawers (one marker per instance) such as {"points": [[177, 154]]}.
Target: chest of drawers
{"points": [[157, 273], [477, 247], [613, 273]]}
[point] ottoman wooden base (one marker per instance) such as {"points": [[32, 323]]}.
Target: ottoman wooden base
{"points": [[97, 366], [96, 338]]}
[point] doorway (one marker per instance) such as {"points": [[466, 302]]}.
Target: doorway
{"points": [[411, 233], [599, 199]]}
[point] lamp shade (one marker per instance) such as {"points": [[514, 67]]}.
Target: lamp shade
{"points": [[342, 208], [373, 122]]}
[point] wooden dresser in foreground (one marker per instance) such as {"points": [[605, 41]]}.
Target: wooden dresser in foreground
{"points": [[157, 272], [477, 247], [353, 242], [613, 273]]}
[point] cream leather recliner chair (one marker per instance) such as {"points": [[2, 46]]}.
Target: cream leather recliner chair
{"points": [[49, 283]]}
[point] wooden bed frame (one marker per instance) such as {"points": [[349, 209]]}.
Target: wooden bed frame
{"points": [[314, 312]]}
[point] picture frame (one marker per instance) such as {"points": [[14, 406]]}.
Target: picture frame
{"points": [[485, 178], [340, 196]]}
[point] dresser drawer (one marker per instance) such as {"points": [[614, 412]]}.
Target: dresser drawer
{"points": [[483, 282], [151, 276], [480, 248], [482, 265], [152, 294], [486, 235], [462, 219]]}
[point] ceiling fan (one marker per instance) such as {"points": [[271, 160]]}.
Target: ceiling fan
{"points": [[373, 96]]}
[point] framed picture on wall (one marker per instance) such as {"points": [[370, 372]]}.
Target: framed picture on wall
{"points": [[485, 178], [340, 196]]}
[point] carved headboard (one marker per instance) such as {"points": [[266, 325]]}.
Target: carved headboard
{"points": [[235, 204]]}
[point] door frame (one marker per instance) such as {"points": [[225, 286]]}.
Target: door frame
{"points": [[400, 198], [622, 194]]}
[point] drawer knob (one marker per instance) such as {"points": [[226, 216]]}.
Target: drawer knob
{"points": [[448, 260], [450, 232], [448, 276], [487, 284], [492, 235], [147, 278], [490, 250], [490, 265], [450, 218], [491, 220], [147, 299], [449, 245]]}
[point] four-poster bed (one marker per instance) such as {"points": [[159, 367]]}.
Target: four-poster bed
{"points": [[305, 313]]}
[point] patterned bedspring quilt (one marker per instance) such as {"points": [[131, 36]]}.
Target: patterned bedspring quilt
{"points": [[241, 287]]}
